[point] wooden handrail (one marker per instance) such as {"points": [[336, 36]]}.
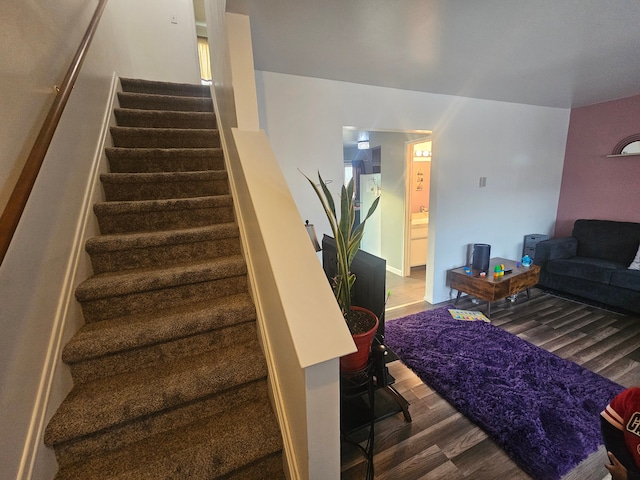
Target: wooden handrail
{"points": [[18, 199]]}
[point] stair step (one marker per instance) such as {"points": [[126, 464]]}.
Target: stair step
{"points": [[169, 214], [144, 101], [139, 353], [267, 468], [131, 117], [114, 284], [164, 248], [120, 294], [131, 160], [213, 447], [120, 345], [119, 436], [133, 137], [112, 401], [98, 339], [163, 185], [134, 85]]}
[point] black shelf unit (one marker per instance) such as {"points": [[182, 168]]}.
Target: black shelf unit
{"points": [[530, 241], [368, 396]]}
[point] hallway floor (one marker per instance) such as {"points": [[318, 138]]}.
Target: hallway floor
{"points": [[406, 291]]}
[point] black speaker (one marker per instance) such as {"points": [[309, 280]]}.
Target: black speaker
{"points": [[481, 255]]}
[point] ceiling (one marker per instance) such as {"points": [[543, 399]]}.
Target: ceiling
{"points": [[556, 53]]}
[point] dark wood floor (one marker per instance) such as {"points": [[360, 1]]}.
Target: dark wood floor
{"points": [[442, 444]]}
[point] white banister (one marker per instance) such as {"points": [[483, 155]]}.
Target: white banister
{"points": [[301, 327]]}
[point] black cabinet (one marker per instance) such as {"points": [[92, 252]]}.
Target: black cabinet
{"points": [[530, 242]]}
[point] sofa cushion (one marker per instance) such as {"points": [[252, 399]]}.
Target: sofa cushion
{"points": [[607, 239], [626, 279], [593, 269]]}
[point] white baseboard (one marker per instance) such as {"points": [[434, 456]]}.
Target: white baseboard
{"points": [[394, 271]]}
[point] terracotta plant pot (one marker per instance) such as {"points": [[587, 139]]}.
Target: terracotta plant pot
{"points": [[357, 361]]}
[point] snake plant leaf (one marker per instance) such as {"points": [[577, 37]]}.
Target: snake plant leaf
{"points": [[347, 237]]}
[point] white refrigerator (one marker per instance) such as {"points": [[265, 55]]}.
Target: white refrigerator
{"points": [[369, 191]]}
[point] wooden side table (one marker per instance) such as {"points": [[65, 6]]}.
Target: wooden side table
{"points": [[489, 288]]}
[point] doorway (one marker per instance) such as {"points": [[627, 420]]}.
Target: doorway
{"points": [[418, 187], [395, 206]]}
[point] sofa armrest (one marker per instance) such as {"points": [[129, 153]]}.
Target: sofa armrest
{"points": [[566, 247]]}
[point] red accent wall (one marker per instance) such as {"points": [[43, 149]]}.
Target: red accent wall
{"points": [[594, 186]]}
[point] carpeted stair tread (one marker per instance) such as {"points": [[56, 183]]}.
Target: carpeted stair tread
{"points": [[119, 294], [131, 160], [110, 336], [87, 409], [153, 215], [140, 137], [168, 350], [100, 309], [163, 177], [148, 206], [267, 468], [209, 448], [155, 186], [80, 449], [166, 247], [171, 103], [113, 284], [135, 85], [133, 117], [126, 241]]}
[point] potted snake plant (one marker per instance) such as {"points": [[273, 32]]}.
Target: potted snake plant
{"points": [[362, 323]]}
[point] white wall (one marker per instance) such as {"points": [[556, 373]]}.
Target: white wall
{"points": [[519, 148], [39, 39], [159, 48]]}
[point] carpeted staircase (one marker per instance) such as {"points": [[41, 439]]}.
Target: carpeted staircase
{"points": [[169, 378]]}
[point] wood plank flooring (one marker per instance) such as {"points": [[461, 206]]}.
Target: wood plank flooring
{"points": [[440, 443]]}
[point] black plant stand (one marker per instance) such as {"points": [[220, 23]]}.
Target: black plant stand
{"points": [[355, 388], [367, 396], [384, 380]]}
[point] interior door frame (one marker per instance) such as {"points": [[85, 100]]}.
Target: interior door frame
{"points": [[406, 263]]}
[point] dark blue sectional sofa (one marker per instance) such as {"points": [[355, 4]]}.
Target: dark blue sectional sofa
{"points": [[593, 263]]}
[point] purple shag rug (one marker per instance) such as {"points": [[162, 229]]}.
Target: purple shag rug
{"points": [[541, 409]]}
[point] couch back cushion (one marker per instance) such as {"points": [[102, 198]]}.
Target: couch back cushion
{"points": [[607, 239]]}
